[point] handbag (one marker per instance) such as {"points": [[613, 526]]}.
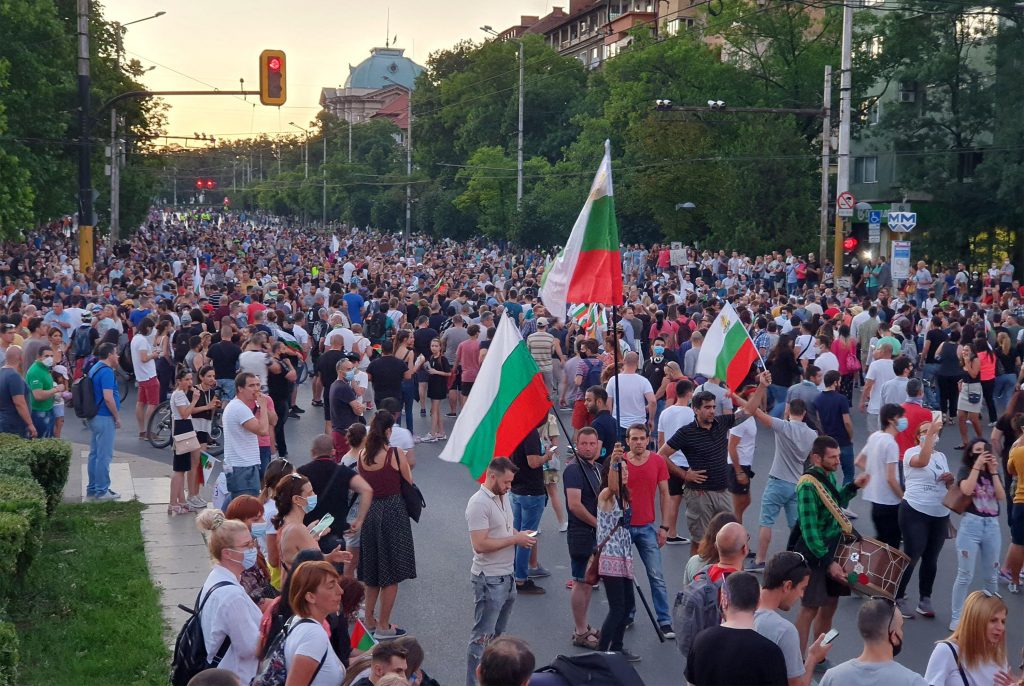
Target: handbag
{"points": [[592, 575], [956, 658], [411, 494], [852, 361], [955, 500], [186, 442]]}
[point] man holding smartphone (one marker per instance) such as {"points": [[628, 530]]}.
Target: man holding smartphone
{"points": [[242, 429]]}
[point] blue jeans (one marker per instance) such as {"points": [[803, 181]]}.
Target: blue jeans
{"points": [[493, 598], [101, 452], [931, 396], [776, 400], [921, 294], [846, 462], [645, 538], [408, 400], [264, 460], [526, 513], [43, 421], [978, 540], [1003, 390], [227, 387], [242, 481]]}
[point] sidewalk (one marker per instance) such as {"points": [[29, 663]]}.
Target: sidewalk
{"points": [[177, 557]]}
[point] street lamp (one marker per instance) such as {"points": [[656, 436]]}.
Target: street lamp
{"points": [[519, 144], [305, 131], [408, 165], [115, 145]]}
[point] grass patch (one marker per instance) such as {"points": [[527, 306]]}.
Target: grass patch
{"points": [[88, 612]]}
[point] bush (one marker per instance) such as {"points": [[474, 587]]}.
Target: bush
{"points": [[13, 530], [11, 465], [50, 461], [24, 497], [8, 654]]}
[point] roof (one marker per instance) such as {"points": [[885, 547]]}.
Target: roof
{"points": [[383, 67]]}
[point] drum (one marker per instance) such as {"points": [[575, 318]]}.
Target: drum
{"points": [[871, 567]]}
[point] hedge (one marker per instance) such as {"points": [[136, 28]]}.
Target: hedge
{"points": [[49, 459], [8, 654], [26, 498], [13, 530], [11, 465]]}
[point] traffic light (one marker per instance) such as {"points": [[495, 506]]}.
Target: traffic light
{"points": [[210, 183], [199, 184], [273, 84], [850, 244]]}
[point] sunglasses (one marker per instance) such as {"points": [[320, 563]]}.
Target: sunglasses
{"points": [[802, 562], [989, 594]]}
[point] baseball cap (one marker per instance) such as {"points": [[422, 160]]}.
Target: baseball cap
{"points": [[7, 326], [542, 322]]}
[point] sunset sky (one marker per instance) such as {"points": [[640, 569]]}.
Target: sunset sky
{"points": [[201, 45]]}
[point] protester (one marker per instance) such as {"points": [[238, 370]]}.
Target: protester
{"points": [[880, 459], [103, 425], [707, 549], [242, 430], [976, 652], [255, 580], [309, 659], [615, 561], [582, 481], [183, 405], [881, 627]]}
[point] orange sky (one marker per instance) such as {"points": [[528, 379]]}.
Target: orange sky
{"points": [[218, 41]]}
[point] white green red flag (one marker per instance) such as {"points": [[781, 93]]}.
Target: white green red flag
{"points": [[509, 398], [361, 638], [727, 352], [589, 268], [290, 341]]}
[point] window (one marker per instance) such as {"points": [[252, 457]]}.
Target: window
{"points": [[968, 162], [865, 170], [873, 112]]}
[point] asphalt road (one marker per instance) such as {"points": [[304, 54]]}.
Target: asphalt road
{"points": [[437, 607]]}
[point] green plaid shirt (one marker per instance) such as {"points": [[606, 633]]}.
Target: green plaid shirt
{"points": [[817, 525]]}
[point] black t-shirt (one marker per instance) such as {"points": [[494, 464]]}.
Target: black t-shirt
{"points": [[831, 406], [713, 659], [707, 449], [587, 478], [607, 432], [327, 367], [336, 501], [421, 341], [937, 338], [528, 480], [386, 373], [224, 356], [340, 396]]}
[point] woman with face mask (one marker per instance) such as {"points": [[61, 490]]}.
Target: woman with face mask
{"points": [[295, 497], [923, 519], [256, 579], [880, 458], [227, 612]]}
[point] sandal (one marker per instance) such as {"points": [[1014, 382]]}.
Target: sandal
{"points": [[588, 639]]}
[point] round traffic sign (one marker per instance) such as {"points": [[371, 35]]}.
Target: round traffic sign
{"points": [[845, 201]]}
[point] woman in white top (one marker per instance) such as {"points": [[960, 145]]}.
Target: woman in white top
{"points": [[183, 404], [356, 436], [275, 471], [880, 458], [309, 659], [975, 655], [923, 519], [228, 612]]}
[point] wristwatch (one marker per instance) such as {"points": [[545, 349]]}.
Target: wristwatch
{"points": [[663, 527]]}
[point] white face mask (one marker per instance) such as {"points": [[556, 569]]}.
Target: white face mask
{"points": [[48, 361]]}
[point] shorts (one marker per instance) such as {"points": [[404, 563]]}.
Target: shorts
{"points": [[149, 392], [735, 486], [182, 461], [352, 540], [701, 507], [578, 566], [466, 387], [821, 588], [203, 437], [551, 476], [341, 445], [676, 486], [1017, 524], [58, 411], [778, 494], [421, 375]]}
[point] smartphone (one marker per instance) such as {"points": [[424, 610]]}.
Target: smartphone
{"points": [[322, 525], [532, 534], [937, 416], [829, 637]]}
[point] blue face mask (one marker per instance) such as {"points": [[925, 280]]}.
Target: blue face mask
{"points": [[310, 504], [259, 530], [249, 558], [350, 374], [902, 423], [659, 350]]}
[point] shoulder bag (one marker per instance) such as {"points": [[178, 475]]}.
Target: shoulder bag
{"points": [[955, 500], [956, 658], [411, 494], [592, 576]]}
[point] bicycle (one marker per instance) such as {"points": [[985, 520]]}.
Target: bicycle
{"points": [[160, 429]]}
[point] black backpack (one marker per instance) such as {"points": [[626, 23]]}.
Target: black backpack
{"points": [[594, 669], [81, 345], [190, 655], [592, 376], [83, 396], [376, 327]]}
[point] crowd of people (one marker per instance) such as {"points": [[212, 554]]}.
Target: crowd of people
{"points": [[223, 316]]}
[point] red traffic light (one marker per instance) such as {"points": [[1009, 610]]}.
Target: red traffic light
{"points": [[199, 183], [850, 243], [274, 64], [210, 183]]}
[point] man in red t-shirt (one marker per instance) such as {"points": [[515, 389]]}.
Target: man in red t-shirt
{"points": [[647, 473], [916, 414]]}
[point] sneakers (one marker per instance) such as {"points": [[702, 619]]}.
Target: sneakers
{"points": [[564, 526], [666, 631], [297, 409], [538, 572], [850, 514], [629, 657], [105, 497], [677, 540], [388, 634], [755, 567], [528, 587], [924, 608], [423, 412], [904, 607], [317, 403], [1014, 588], [196, 501], [426, 438]]}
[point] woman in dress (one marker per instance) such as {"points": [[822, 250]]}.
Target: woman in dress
{"points": [[968, 404], [844, 347], [439, 371], [923, 519], [387, 554], [202, 422], [183, 403], [979, 539], [975, 655], [615, 564]]}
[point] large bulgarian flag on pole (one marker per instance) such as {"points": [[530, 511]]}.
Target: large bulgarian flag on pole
{"points": [[727, 352], [589, 269], [509, 398]]}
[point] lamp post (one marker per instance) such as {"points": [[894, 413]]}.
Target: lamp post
{"points": [[408, 167], [305, 131], [115, 144], [519, 143]]}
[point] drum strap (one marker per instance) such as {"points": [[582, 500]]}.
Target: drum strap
{"points": [[829, 502]]}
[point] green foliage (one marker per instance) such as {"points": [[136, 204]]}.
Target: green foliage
{"points": [[49, 459], [14, 529], [8, 654], [26, 498]]}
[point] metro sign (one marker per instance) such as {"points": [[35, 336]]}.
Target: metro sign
{"points": [[902, 222]]}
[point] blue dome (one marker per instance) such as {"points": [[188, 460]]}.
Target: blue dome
{"points": [[389, 62]]}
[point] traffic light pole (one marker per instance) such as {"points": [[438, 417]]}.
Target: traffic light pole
{"points": [[85, 222], [845, 92]]}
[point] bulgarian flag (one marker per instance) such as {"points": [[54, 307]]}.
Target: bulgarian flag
{"points": [[727, 352], [589, 268], [361, 638], [197, 281], [290, 341], [508, 399]]}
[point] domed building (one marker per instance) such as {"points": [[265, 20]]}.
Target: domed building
{"points": [[377, 86]]}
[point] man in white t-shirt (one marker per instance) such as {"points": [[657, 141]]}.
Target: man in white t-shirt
{"points": [[242, 430], [879, 372], [741, 456], [673, 418], [144, 365], [636, 397], [805, 345]]}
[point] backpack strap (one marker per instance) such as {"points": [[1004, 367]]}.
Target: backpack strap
{"points": [[829, 502], [956, 658], [223, 650]]}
